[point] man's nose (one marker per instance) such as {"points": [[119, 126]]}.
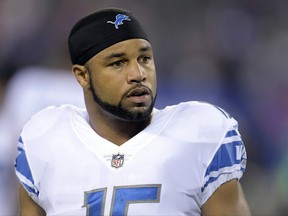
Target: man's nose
{"points": [[136, 73]]}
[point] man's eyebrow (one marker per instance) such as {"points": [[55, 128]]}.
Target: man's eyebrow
{"points": [[144, 49], [119, 55], [113, 55]]}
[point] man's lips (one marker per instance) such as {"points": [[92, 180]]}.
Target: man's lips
{"points": [[139, 95], [139, 91]]}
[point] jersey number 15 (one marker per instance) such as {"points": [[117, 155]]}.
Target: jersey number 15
{"points": [[121, 198]]}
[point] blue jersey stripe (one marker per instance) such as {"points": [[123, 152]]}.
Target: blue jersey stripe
{"points": [[229, 154], [22, 168], [212, 179], [22, 165], [231, 133], [20, 140], [30, 189], [226, 156]]}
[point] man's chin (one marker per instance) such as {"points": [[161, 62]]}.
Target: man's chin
{"points": [[136, 115]]}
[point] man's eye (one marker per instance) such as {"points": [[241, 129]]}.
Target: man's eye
{"points": [[145, 59], [117, 64]]}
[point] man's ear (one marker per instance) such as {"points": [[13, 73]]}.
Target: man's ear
{"points": [[82, 75]]}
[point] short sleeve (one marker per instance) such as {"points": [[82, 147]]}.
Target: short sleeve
{"points": [[23, 171], [229, 162]]}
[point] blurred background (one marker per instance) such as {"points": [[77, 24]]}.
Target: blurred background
{"points": [[230, 53]]}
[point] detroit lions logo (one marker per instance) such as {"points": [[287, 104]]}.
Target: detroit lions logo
{"points": [[119, 20]]}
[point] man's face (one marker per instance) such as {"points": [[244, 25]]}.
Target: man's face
{"points": [[123, 79]]}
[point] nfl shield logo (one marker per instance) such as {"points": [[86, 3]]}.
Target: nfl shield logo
{"points": [[117, 160]]}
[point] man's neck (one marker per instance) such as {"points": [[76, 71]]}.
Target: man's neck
{"points": [[116, 130]]}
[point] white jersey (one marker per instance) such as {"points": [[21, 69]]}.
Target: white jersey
{"points": [[31, 89], [170, 168]]}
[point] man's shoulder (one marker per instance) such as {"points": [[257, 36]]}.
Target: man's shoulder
{"points": [[198, 109], [193, 118], [52, 112], [51, 117]]}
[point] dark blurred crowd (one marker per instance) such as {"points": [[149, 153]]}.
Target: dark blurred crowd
{"points": [[230, 53]]}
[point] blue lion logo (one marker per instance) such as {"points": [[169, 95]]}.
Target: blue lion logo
{"points": [[119, 20]]}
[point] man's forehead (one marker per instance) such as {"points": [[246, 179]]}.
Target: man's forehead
{"points": [[132, 45]]}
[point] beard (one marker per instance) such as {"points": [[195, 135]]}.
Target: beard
{"points": [[119, 111]]}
